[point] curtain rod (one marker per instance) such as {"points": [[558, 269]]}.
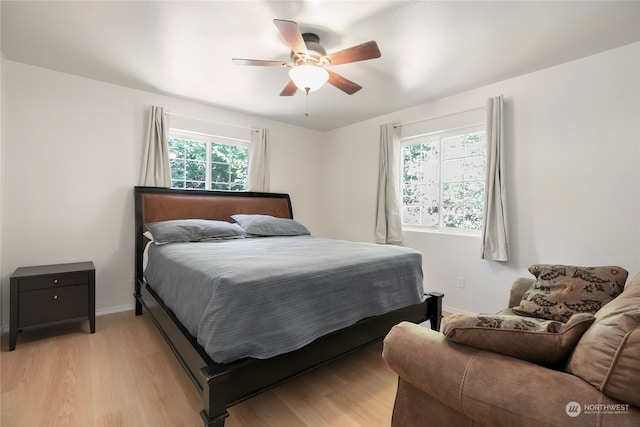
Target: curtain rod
{"points": [[211, 121], [397, 125]]}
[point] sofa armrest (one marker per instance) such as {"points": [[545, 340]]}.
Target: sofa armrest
{"points": [[490, 388], [518, 288]]}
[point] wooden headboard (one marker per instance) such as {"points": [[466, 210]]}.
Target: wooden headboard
{"points": [[154, 204]]}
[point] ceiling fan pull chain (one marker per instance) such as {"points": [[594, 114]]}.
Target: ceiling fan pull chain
{"points": [[307, 109]]}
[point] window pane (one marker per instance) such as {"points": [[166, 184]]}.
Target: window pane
{"points": [[473, 217], [219, 153], [412, 172], [453, 147], [475, 144], [194, 150], [453, 193], [177, 169], [453, 170], [474, 168], [452, 216], [411, 195], [238, 174], [475, 193], [176, 147], [238, 154], [431, 194], [220, 172], [430, 216], [411, 215], [196, 171]]}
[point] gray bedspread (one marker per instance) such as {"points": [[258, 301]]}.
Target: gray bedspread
{"points": [[260, 297]]}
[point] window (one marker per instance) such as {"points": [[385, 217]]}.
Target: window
{"points": [[208, 162], [444, 179]]}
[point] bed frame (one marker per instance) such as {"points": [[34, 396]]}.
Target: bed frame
{"points": [[224, 385]]}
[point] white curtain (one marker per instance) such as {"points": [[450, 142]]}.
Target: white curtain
{"points": [[155, 170], [258, 179], [388, 215], [495, 236]]}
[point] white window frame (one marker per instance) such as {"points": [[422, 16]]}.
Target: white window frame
{"points": [[208, 140], [439, 136]]}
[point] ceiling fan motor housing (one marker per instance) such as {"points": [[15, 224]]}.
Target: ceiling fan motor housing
{"points": [[316, 53]]}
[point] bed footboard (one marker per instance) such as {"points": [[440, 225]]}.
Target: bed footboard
{"points": [[434, 309]]}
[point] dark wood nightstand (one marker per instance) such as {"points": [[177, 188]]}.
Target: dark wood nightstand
{"points": [[49, 293]]}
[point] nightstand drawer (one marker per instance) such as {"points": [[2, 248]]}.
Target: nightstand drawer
{"points": [[46, 305], [53, 281]]}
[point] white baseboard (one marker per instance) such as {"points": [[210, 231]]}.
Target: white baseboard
{"points": [[116, 309], [453, 310], [99, 312]]}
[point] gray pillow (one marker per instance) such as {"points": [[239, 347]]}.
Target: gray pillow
{"points": [[266, 225], [192, 230]]}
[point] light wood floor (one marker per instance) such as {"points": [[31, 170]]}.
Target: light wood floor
{"points": [[125, 375]]}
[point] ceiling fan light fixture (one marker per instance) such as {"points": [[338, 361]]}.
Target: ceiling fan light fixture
{"points": [[308, 77]]}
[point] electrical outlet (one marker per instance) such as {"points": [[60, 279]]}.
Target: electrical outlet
{"points": [[461, 282]]}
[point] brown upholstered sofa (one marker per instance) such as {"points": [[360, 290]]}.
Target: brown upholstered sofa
{"points": [[444, 383]]}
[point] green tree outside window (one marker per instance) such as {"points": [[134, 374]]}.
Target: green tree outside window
{"points": [[225, 168], [444, 180]]}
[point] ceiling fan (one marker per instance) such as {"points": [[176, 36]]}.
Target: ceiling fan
{"points": [[307, 68]]}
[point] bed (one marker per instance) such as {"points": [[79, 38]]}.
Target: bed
{"points": [[235, 376]]}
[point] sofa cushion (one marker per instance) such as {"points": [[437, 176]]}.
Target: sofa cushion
{"points": [[608, 354], [562, 290], [546, 342]]}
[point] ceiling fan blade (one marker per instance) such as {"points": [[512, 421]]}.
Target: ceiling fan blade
{"points": [[260, 62], [361, 52], [345, 85], [292, 35], [290, 89]]}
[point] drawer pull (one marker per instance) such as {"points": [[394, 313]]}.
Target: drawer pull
{"points": [[55, 281], [55, 297]]}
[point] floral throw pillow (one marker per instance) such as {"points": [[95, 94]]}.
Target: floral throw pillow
{"points": [[562, 290]]}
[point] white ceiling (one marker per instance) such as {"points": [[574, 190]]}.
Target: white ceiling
{"points": [[430, 49]]}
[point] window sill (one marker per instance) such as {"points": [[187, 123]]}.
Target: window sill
{"points": [[453, 232]]}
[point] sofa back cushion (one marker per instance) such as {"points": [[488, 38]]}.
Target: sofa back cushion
{"points": [[608, 354]]}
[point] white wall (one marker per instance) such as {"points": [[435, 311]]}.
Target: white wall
{"points": [[573, 177], [72, 149], [72, 155], [1, 169]]}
